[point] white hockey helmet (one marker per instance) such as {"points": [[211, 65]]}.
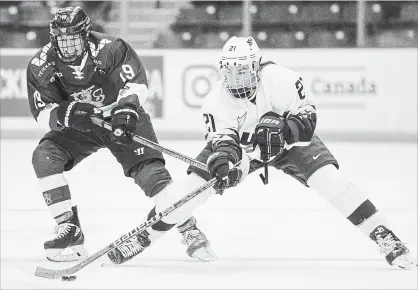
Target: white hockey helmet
{"points": [[240, 66]]}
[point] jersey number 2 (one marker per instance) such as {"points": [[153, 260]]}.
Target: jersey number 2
{"points": [[299, 87], [210, 122]]}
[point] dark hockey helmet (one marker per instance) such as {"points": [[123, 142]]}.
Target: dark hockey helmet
{"points": [[69, 32]]}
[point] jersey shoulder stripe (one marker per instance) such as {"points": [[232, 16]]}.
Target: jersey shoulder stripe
{"points": [[108, 50], [41, 65]]}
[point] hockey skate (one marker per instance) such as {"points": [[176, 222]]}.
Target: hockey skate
{"points": [[397, 254], [198, 246], [68, 243], [130, 248]]}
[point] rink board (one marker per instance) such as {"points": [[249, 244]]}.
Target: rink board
{"points": [[360, 94]]}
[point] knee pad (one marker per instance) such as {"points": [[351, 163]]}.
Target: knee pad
{"points": [[342, 193], [347, 198], [151, 176], [48, 159]]}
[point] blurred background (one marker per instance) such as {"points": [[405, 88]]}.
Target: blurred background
{"points": [[207, 24], [358, 58]]}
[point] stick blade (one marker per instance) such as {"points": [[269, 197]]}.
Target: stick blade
{"points": [[47, 273]]}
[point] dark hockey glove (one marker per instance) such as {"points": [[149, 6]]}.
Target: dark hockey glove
{"points": [[123, 122], [77, 115], [220, 165], [270, 135]]}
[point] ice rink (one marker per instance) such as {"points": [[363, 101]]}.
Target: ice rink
{"points": [[277, 236]]}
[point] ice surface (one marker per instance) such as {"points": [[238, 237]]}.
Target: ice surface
{"points": [[277, 236]]}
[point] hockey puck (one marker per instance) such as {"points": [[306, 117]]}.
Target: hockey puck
{"points": [[68, 278]]}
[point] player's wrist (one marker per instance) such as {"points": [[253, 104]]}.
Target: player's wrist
{"points": [[216, 160], [129, 105], [125, 109], [231, 148], [233, 153]]}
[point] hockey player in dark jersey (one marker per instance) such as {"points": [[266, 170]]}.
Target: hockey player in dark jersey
{"points": [[80, 74]]}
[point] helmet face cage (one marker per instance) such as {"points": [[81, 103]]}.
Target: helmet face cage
{"points": [[69, 32], [70, 47], [240, 67], [240, 80]]}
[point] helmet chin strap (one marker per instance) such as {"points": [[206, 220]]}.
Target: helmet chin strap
{"points": [[251, 97]]}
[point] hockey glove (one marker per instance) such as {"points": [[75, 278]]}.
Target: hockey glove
{"points": [[220, 165], [123, 122], [302, 125], [77, 115], [270, 135]]}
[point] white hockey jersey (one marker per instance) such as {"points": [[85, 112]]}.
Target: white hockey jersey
{"points": [[279, 89]]}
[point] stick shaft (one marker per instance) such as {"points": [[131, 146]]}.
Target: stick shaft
{"points": [[155, 146], [56, 274]]}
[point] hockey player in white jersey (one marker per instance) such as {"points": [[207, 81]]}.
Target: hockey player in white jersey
{"points": [[261, 110]]}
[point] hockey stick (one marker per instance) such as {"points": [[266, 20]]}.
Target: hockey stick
{"points": [[170, 152], [57, 274], [155, 146]]}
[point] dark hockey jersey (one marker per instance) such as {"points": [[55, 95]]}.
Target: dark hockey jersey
{"points": [[111, 73]]}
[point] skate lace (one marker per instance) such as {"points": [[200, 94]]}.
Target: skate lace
{"points": [[192, 235], [388, 243], [61, 230], [131, 247]]}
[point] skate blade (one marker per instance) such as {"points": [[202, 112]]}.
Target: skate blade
{"points": [[405, 262], [70, 254], [205, 254]]}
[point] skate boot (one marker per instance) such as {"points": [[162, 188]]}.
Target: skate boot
{"points": [[68, 244], [198, 245], [397, 254], [130, 248]]}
